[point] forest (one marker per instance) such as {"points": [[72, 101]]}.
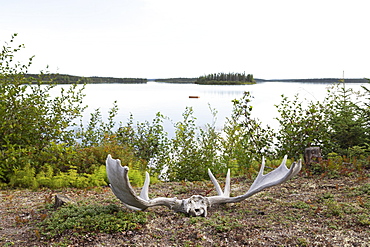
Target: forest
{"points": [[71, 79]]}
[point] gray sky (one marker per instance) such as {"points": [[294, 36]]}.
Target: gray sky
{"points": [[178, 38]]}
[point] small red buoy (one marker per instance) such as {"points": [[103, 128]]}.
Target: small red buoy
{"points": [[194, 97]]}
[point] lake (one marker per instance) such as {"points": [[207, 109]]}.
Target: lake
{"points": [[145, 100]]}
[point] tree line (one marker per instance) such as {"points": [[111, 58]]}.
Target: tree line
{"points": [[71, 79]]}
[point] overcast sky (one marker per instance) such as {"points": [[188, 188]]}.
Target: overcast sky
{"points": [[176, 38]]}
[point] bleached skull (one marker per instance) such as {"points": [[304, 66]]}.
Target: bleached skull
{"points": [[196, 205]]}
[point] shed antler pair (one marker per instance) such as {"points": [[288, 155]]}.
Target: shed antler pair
{"points": [[196, 205]]}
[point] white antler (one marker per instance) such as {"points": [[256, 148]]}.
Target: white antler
{"points": [[196, 205], [275, 177]]}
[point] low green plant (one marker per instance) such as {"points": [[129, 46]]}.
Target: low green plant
{"points": [[336, 165], [333, 208], [222, 223], [361, 190], [301, 205], [82, 219], [363, 219], [27, 178]]}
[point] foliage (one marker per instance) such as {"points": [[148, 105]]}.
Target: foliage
{"points": [[81, 219], [32, 119], [215, 82], [335, 124], [301, 126], [146, 140], [24, 178], [41, 144], [366, 115], [189, 153], [176, 80], [97, 131]]}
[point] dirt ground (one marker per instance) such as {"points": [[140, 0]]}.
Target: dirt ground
{"points": [[305, 211]]}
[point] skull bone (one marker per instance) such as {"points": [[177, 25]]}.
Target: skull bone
{"points": [[196, 205]]}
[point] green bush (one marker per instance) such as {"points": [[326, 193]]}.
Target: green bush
{"points": [[146, 139], [190, 152], [348, 126]]}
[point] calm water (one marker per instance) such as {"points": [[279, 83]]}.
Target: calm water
{"points": [[145, 100]]}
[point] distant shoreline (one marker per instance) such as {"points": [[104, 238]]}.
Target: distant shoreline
{"points": [[318, 80], [70, 79]]}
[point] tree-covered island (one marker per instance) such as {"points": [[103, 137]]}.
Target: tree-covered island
{"points": [[226, 79], [215, 79]]}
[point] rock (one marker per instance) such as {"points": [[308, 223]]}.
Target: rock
{"points": [[312, 154], [61, 200]]}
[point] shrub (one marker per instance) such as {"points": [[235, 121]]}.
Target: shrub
{"points": [[335, 124], [187, 157], [347, 124], [245, 141]]}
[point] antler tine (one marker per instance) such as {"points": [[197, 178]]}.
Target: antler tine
{"points": [[215, 183], [144, 194], [227, 184], [226, 192]]}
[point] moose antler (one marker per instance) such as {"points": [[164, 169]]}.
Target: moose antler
{"points": [[196, 205]]}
